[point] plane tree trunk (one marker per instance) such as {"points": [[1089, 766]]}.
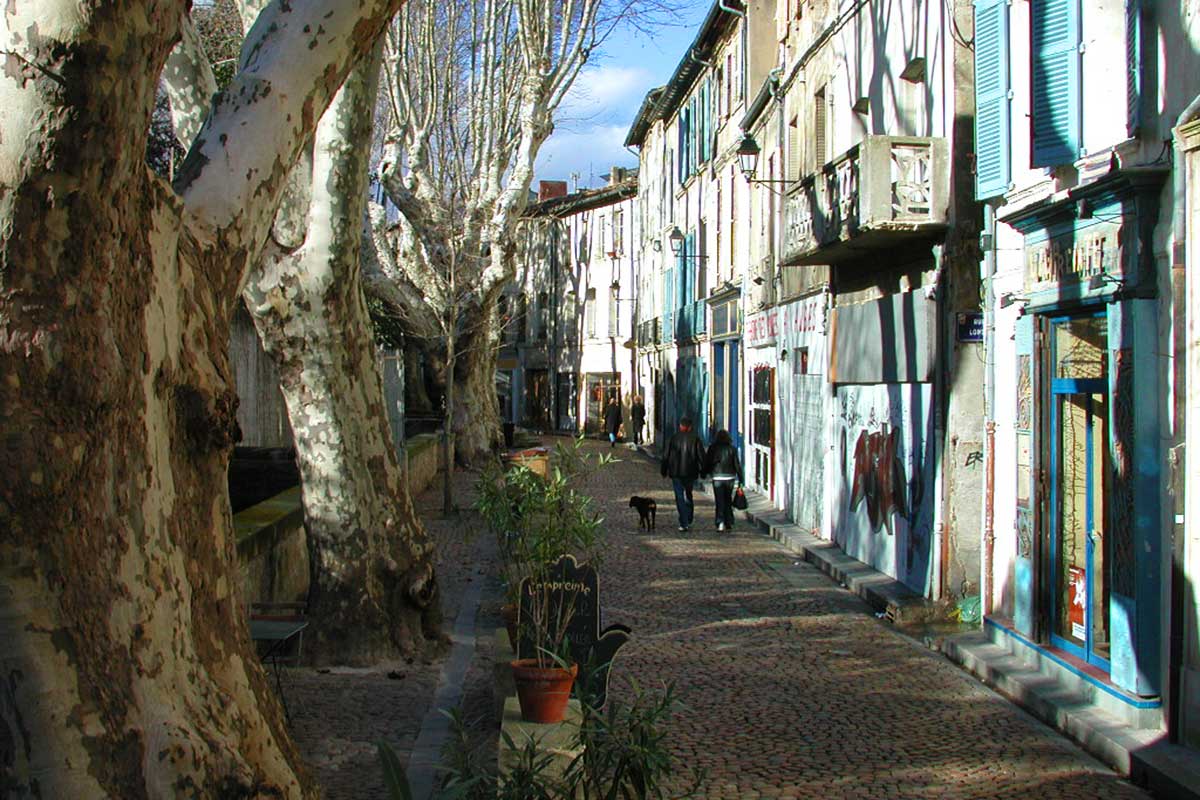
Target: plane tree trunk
{"points": [[128, 670], [373, 588]]}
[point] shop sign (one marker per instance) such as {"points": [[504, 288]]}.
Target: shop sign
{"points": [[802, 319], [762, 328], [1074, 257]]}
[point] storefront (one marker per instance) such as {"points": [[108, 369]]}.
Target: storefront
{"points": [[726, 347], [761, 337], [1086, 565], [602, 388], [805, 397]]}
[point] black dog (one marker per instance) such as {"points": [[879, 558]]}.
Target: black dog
{"points": [[646, 508]]}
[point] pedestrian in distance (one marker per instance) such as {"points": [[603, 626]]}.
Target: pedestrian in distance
{"points": [[683, 462], [722, 465], [638, 415], [612, 420]]}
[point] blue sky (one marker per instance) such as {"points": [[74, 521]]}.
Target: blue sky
{"points": [[595, 118]]}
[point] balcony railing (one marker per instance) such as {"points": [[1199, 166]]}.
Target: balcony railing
{"points": [[883, 190], [691, 320]]}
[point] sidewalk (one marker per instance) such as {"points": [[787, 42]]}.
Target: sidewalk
{"points": [[1169, 770]]}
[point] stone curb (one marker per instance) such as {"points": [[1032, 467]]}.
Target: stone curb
{"points": [[881, 592]]}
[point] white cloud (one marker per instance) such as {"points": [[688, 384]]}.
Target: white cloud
{"points": [[609, 86], [589, 153]]}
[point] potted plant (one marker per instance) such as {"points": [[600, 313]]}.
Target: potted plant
{"points": [[538, 520]]}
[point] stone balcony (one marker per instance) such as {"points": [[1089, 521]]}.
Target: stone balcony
{"points": [[882, 192]]}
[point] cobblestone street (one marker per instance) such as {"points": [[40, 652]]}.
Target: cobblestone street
{"points": [[792, 688]]}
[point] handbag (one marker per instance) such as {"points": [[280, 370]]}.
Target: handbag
{"points": [[739, 499]]}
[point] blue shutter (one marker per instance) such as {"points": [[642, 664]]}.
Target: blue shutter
{"points": [[1057, 121], [992, 99], [689, 282], [694, 119], [681, 148], [1133, 70]]}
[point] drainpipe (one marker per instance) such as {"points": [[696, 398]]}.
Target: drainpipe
{"points": [[1178, 598], [989, 402]]}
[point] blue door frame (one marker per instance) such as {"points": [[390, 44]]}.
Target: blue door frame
{"points": [[1060, 388]]}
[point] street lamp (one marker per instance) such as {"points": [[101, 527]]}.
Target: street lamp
{"points": [[747, 154], [676, 239]]}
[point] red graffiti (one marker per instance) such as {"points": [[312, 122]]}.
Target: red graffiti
{"points": [[879, 478]]}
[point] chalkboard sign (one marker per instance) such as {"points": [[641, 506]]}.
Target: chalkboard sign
{"points": [[574, 589]]}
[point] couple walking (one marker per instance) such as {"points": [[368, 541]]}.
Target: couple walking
{"points": [[685, 460]]}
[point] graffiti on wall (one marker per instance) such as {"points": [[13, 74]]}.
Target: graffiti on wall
{"points": [[879, 478], [885, 519]]}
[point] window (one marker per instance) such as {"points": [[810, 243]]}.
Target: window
{"points": [[992, 99], [1057, 117], [729, 84], [793, 153], [589, 314], [582, 250], [522, 316], [732, 219], [543, 316], [614, 323], [820, 123], [618, 232]]}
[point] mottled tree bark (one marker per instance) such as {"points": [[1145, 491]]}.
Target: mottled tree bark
{"points": [[127, 668], [373, 586]]}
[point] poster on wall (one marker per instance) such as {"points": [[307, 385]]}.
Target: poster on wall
{"points": [[1078, 602]]}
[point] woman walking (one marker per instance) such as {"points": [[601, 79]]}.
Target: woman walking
{"points": [[612, 420], [724, 467], [638, 414]]}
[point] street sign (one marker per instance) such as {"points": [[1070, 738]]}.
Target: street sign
{"points": [[970, 326]]}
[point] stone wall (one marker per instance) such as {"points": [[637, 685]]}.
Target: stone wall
{"points": [[273, 546], [273, 549], [424, 461]]}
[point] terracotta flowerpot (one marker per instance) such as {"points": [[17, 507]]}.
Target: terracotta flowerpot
{"points": [[508, 612], [542, 691]]}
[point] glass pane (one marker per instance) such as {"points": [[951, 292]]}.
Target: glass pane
{"points": [[762, 386], [1024, 469], [1081, 348], [1100, 560], [762, 427], [1073, 517]]}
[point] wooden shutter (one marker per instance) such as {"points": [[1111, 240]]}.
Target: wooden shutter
{"points": [[1057, 117], [992, 99], [820, 109], [1133, 70], [793, 153]]}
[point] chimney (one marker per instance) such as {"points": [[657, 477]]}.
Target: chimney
{"points": [[616, 175], [548, 190]]}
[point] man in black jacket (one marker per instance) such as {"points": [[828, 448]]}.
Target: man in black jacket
{"points": [[683, 461]]}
